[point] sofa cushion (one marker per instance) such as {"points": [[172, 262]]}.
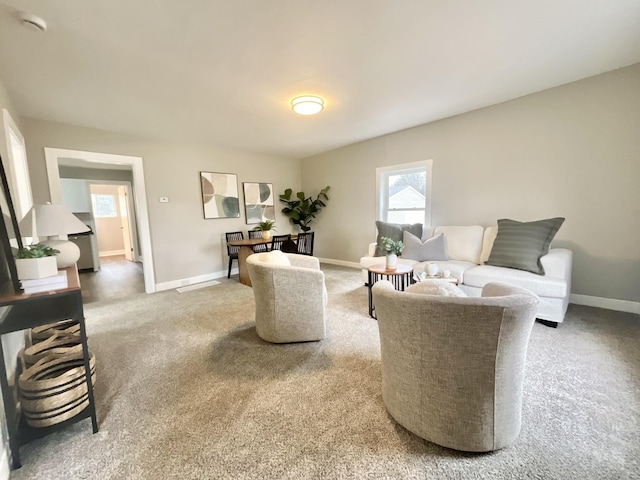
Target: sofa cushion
{"points": [[487, 243], [427, 232], [275, 257], [416, 249], [543, 286], [394, 232], [462, 243], [521, 244]]}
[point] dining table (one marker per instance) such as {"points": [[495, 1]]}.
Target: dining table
{"points": [[247, 246]]}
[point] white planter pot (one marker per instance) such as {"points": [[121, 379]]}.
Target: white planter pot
{"points": [[432, 269], [32, 268], [392, 261], [266, 235]]}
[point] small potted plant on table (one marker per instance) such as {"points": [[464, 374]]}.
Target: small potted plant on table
{"points": [[393, 248], [36, 261], [265, 227]]}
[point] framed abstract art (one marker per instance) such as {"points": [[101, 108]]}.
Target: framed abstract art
{"points": [[220, 195], [258, 202]]}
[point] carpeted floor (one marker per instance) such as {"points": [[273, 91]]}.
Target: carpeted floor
{"points": [[186, 389]]}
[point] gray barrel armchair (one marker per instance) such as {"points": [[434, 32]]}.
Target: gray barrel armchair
{"points": [[290, 297], [453, 368]]}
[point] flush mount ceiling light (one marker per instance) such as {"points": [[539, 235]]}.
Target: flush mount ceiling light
{"points": [[307, 105]]}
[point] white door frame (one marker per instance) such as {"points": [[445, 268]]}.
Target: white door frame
{"points": [[124, 195], [52, 155]]}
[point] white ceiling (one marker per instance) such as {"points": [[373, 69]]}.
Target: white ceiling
{"points": [[223, 71]]}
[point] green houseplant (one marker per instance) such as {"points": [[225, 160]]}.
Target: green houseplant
{"points": [[393, 249], [265, 227], [301, 209], [36, 261]]}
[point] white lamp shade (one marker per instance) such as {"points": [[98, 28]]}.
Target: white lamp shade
{"points": [[50, 220]]}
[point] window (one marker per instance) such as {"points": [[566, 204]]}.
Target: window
{"points": [[404, 193], [103, 205]]}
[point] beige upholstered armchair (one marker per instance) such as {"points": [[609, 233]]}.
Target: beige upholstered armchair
{"points": [[453, 368], [290, 297]]}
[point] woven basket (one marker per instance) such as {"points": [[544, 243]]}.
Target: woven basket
{"points": [[71, 327], [57, 344], [55, 389]]}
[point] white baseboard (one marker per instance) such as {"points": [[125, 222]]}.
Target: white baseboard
{"points": [[340, 263], [111, 253], [600, 302], [193, 280], [608, 303]]}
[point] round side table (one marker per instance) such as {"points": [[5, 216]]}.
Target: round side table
{"points": [[400, 277]]}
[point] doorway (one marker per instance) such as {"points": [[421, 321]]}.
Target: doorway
{"points": [[54, 156], [114, 219]]}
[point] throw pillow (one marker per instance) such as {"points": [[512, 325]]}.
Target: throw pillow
{"points": [[436, 287], [521, 244], [415, 249], [276, 257], [394, 232]]}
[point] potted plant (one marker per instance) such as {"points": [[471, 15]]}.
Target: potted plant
{"points": [[393, 249], [36, 261], [265, 227], [301, 210]]}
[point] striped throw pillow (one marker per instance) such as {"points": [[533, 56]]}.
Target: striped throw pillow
{"points": [[521, 244]]}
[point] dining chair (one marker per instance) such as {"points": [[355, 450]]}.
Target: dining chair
{"points": [[278, 240], [258, 248], [233, 251], [305, 243]]}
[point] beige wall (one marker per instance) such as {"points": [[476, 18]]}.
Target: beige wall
{"points": [[184, 243], [572, 151], [108, 229]]}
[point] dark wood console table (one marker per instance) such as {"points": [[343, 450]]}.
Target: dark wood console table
{"points": [[23, 311]]}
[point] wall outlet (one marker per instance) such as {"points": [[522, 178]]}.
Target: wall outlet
{"points": [[164, 199]]}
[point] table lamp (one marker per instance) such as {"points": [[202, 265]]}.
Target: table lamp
{"points": [[51, 221]]}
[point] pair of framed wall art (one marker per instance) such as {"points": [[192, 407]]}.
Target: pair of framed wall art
{"points": [[220, 198]]}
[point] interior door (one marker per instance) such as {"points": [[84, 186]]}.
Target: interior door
{"points": [[124, 216]]}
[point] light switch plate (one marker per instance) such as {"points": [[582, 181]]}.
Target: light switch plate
{"points": [[164, 199]]}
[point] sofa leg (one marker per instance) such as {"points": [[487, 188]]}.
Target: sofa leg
{"points": [[548, 323]]}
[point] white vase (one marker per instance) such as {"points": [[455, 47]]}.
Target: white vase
{"points": [[392, 261], [432, 269], [266, 235]]}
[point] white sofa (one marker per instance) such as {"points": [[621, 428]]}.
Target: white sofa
{"points": [[468, 248]]}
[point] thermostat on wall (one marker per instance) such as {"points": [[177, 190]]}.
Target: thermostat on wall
{"points": [[164, 199]]}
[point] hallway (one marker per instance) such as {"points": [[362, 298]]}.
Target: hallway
{"points": [[116, 278]]}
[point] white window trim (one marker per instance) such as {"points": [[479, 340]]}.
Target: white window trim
{"points": [[382, 172]]}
